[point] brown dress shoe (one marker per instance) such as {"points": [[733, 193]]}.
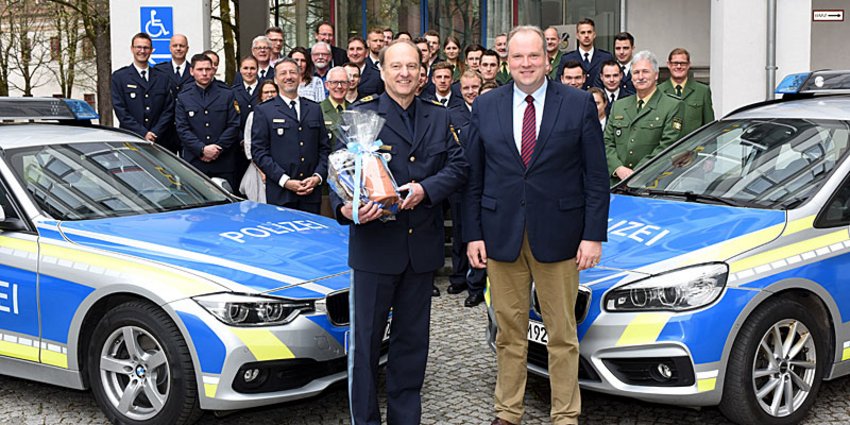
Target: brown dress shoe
{"points": [[500, 421]]}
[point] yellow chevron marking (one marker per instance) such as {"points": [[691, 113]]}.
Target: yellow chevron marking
{"points": [[787, 251], [643, 329], [264, 345]]}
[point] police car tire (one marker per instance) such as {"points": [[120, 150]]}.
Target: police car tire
{"points": [[182, 405], [739, 402]]}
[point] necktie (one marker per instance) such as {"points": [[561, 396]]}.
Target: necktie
{"points": [[177, 71], [529, 128], [339, 108], [504, 68], [443, 101], [640, 104], [679, 90], [586, 58], [292, 106], [144, 75], [262, 74], [249, 90], [405, 116], [612, 98]]}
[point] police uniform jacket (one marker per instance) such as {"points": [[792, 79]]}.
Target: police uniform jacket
{"points": [[177, 81], [245, 103], [697, 99], [454, 100], [434, 159], [560, 199], [592, 71], [555, 64], [331, 118], [281, 144], [632, 137], [459, 115], [140, 105], [622, 94], [503, 76], [370, 80], [205, 117], [237, 78]]}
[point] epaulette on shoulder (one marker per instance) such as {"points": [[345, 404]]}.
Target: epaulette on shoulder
{"points": [[367, 99], [435, 102]]}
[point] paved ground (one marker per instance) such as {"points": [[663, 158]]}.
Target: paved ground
{"points": [[458, 390]]}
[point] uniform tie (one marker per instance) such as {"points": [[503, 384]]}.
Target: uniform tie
{"points": [[443, 101], [586, 58], [640, 104], [339, 108], [612, 98], [262, 74], [529, 128], [177, 71], [144, 75], [292, 106], [249, 90], [679, 90]]}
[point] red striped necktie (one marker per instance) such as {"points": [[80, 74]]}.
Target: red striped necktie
{"points": [[529, 128]]}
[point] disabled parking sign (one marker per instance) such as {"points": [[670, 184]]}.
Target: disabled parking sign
{"points": [[158, 22]]}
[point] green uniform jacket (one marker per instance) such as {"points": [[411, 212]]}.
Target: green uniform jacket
{"points": [[553, 75], [331, 116], [503, 77], [632, 137], [697, 99]]}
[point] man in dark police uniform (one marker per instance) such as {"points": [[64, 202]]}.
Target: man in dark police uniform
{"points": [[207, 123], [394, 262]]}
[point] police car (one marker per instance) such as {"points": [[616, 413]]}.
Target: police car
{"points": [[124, 270], [722, 281]]}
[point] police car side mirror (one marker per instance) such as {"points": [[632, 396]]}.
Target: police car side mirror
{"points": [[222, 183]]}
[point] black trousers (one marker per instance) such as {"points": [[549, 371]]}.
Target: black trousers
{"points": [[462, 273], [372, 296]]}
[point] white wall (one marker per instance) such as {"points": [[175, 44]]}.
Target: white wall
{"points": [[739, 48], [662, 25]]}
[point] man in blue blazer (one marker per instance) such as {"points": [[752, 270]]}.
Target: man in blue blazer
{"points": [[591, 58], [289, 142], [141, 96], [177, 71], [535, 208], [395, 261], [207, 123]]}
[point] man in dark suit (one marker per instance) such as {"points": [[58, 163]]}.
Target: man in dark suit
{"points": [[370, 75], [441, 79], [325, 32], [289, 142], [612, 84], [537, 163], [590, 57], [208, 124], [624, 48], [141, 95], [395, 261], [177, 70], [261, 50]]}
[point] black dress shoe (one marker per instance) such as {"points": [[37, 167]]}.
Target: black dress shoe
{"points": [[474, 299], [456, 288], [435, 292]]}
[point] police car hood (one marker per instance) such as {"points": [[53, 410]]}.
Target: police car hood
{"points": [[651, 235], [246, 246]]}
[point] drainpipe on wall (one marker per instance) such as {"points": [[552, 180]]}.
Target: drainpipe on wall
{"points": [[771, 49], [623, 16]]}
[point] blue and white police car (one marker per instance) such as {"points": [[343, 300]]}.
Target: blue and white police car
{"points": [[124, 270], [722, 281]]}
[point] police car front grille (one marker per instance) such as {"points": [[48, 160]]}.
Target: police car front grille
{"points": [[337, 305], [582, 303]]}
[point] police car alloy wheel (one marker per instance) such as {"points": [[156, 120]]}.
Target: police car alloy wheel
{"points": [[140, 368], [776, 365]]}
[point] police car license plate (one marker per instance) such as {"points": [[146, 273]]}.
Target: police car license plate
{"points": [[385, 337], [537, 332]]}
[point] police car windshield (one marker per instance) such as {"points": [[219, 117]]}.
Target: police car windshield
{"points": [[770, 163], [99, 180]]}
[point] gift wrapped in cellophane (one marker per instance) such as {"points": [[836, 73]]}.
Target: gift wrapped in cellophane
{"points": [[358, 173]]}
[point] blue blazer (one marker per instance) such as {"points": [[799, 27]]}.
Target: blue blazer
{"points": [[459, 115], [559, 200], [245, 103], [205, 117], [140, 105], [624, 92], [591, 73], [281, 144], [433, 159], [370, 80]]}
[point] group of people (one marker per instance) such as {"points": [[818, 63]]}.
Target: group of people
{"points": [[511, 166]]}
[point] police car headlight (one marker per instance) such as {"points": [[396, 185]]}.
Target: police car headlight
{"points": [[678, 290], [248, 310]]}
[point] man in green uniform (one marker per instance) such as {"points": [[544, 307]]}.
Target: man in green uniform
{"points": [[643, 125], [695, 95], [337, 85], [500, 45], [553, 41]]}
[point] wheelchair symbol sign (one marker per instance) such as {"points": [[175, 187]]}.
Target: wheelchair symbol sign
{"points": [[157, 21]]}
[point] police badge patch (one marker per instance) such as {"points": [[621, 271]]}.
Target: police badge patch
{"points": [[677, 123]]}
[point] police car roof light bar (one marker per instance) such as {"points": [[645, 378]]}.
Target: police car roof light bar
{"points": [[45, 109], [822, 82]]}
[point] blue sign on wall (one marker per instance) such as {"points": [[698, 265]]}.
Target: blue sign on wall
{"points": [[158, 22]]}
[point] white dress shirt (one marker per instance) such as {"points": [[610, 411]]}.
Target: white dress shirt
{"points": [[519, 105]]}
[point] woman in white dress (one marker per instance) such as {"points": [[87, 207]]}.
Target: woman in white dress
{"points": [[253, 184]]}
